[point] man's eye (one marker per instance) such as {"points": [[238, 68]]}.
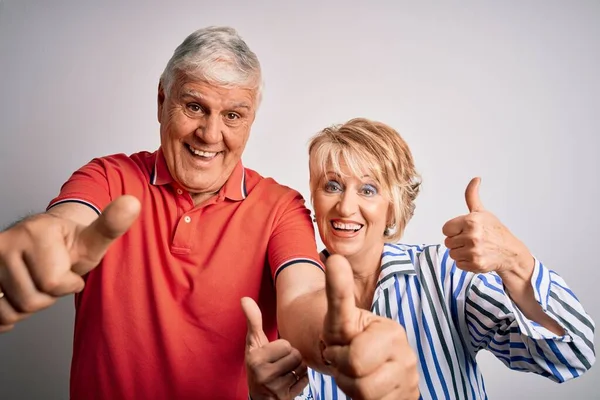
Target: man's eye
{"points": [[232, 116], [194, 107]]}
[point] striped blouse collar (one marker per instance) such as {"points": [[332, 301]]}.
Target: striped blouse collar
{"points": [[396, 259]]}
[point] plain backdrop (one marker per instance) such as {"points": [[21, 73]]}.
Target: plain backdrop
{"points": [[505, 90]]}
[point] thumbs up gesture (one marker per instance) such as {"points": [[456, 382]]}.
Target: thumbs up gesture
{"points": [[479, 242], [275, 370], [43, 257], [369, 356]]}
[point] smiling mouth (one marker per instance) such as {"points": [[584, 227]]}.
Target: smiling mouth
{"points": [[346, 227], [205, 155]]}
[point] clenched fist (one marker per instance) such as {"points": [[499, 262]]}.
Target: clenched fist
{"points": [[44, 257]]}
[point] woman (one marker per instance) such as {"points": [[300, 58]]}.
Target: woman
{"points": [[482, 290]]}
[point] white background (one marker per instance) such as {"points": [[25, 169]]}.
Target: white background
{"points": [[508, 91]]}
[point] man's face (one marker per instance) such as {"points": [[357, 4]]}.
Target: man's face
{"points": [[203, 131]]}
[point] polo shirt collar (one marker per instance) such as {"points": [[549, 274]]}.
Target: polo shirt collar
{"points": [[234, 188]]}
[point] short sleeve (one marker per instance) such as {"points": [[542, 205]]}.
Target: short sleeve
{"points": [[88, 186], [293, 238]]}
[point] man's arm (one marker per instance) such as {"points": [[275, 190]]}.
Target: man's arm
{"points": [[44, 256], [301, 309]]}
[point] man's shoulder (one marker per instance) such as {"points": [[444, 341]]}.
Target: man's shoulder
{"points": [[258, 185], [140, 157], [142, 161]]}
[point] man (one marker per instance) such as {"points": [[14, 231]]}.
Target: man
{"points": [[160, 248]]}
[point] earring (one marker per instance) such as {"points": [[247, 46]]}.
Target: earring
{"points": [[389, 230]]}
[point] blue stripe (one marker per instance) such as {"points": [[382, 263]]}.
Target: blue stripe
{"points": [[390, 254], [334, 391], [538, 282], [461, 281], [566, 289], [489, 285], [444, 262], [431, 345], [323, 385], [422, 360], [561, 358], [549, 363], [481, 335]]}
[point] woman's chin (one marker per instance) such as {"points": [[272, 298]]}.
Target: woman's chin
{"points": [[342, 249]]}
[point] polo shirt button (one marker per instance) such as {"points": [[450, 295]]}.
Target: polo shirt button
{"points": [[187, 219], [179, 191]]}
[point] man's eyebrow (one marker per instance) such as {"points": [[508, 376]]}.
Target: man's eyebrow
{"points": [[192, 93], [241, 105], [199, 96]]}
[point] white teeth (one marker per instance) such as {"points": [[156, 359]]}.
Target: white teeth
{"points": [[205, 154], [346, 227]]}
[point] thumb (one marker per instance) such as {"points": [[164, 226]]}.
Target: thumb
{"points": [[472, 196], [93, 241], [255, 337], [342, 321]]}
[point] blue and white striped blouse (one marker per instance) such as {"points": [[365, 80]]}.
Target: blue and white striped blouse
{"points": [[450, 314]]}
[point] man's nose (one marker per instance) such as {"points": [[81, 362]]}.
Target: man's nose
{"points": [[210, 130]]}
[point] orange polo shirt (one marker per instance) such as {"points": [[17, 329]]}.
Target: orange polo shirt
{"points": [[160, 317]]}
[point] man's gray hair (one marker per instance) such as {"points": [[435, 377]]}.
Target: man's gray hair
{"points": [[217, 55]]}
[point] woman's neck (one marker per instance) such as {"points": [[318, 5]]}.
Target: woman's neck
{"points": [[366, 269]]}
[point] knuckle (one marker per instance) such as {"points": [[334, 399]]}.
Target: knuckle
{"points": [[477, 259], [452, 254], [8, 319], [253, 361], [262, 377], [473, 240], [49, 285], [471, 221], [286, 346], [296, 356], [364, 390], [28, 305], [354, 362]]}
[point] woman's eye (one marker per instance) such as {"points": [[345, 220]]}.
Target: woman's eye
{"points": [[332, 187], [368, 190]]}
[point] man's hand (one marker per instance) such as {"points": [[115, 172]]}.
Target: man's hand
{"points": [[480, 243], [275, 369], [369, 356], [44, 257]]}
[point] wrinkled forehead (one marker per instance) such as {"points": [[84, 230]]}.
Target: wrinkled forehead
{"points": [[202, 90]]}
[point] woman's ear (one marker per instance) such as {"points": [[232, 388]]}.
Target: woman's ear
{"points": [[391, 221]]}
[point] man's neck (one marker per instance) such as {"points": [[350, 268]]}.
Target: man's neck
{"points": [[200, 198]]}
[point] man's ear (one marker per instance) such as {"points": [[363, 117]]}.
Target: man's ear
{"points": [[160, 100]]}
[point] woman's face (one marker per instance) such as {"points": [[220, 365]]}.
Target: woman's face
{"points": [[351, 213]]}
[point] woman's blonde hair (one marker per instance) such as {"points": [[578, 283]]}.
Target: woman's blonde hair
{"points": [[371, 148]]}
